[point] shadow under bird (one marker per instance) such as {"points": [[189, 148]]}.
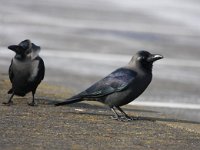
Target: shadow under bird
{"points": [[121, 86], [26, 70]]}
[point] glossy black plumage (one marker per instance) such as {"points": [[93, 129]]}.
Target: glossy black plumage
{"points": [[121, 86], [115, 82]]}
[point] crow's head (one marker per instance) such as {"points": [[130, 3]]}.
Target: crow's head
{"points": [[25, 50], [145, 59]]}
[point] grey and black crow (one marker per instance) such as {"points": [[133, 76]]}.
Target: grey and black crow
{"points": [[26, 70], [121, 86]]}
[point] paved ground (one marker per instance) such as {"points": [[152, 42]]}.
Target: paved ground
{"points": [[99, 36], [87, 125], [84, 40]]}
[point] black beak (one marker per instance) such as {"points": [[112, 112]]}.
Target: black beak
{"points": [[13, 47], [154, 57]]}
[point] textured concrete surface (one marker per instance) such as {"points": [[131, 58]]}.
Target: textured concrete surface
{"points": [[86, 125], [82, 41]]}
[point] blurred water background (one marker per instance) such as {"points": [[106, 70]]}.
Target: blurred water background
{"points": [[84, 40]]}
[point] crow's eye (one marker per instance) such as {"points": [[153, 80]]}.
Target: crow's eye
{"points": [[142, 57]]}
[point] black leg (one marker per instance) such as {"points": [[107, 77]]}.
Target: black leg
{"points": [[116, 116], [33, 103], [10, 102], [124, 115]]}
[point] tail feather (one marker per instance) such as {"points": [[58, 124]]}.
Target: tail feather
{"points": [[69, 101]]}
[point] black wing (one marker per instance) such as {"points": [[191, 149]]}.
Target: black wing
{"points": [[11, 76], [114, 82], [10, 71], [41, 70]]}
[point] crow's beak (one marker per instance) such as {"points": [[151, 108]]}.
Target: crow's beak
{"points": [[13, 47], [154, 57]]}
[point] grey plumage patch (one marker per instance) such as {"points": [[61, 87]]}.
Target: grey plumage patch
{"points": [[26, 68], [34, 70], [35, 51]]}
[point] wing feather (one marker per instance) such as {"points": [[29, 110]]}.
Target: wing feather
{"points": [[114, 82]]}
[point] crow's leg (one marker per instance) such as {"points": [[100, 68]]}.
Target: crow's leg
{"points": [[10, 102], [125, 116], [116, 115], [33, 103]]}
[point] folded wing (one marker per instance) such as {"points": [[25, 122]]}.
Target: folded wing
{"points": [[117, 81]]}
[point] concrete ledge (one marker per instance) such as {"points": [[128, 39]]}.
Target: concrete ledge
{"points": [[86, 125]]}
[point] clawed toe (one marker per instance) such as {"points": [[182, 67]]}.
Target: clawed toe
{"points": [[32, 104], [135, 118], [121, 118], [114, 117], [8, 103], [126, 118]]}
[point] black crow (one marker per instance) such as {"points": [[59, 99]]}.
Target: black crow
{"points": [[121, 86]]}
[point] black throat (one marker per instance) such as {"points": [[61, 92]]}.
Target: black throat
{"points": [[147, 66]]}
